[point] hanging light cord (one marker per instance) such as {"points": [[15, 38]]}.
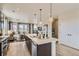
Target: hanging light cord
{"points": [[40, 14], [35, 15], [50, 9]]}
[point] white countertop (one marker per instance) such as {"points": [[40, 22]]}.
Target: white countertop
{"points": [[41, 41]]}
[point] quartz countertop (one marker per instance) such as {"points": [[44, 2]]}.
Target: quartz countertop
{"points": [[41, 41]]}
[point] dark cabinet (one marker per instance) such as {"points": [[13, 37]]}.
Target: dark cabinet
{"points": [[28, 43], [0, 49], [44, 49], [41, 50], [38, 50]]}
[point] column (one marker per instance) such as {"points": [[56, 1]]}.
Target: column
{"points": [[50, 28], [5, 26], [53, 48]]}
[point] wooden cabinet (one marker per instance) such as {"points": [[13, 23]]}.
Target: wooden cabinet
{"points": [[44, 49], [38, 50], [28, 43], [41, 50]]}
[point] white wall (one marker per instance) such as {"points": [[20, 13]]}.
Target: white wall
{"points": [[69, 24]]}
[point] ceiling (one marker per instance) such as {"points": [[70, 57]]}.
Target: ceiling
{"points": [[27, 10]]}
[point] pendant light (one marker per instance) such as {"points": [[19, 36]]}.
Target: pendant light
{"points": [[40, 23], [50, 10], [35, 20], [40, 34], [50, 22], [50, 18]]}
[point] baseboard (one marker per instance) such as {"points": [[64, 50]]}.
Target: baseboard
{"points": [[69, 46]]}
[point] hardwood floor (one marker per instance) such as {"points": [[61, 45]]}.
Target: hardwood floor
{"points": [[20, 49], [63, 50]]}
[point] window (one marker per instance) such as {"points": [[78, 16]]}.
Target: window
{"points": [[1, 27], [26, 28], [23, 28], [14, 27]]}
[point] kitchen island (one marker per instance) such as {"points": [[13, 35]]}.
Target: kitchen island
{"points": [[41, 47]]}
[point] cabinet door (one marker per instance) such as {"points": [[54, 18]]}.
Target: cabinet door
{"points": [[44, 49], [30, 46]]}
